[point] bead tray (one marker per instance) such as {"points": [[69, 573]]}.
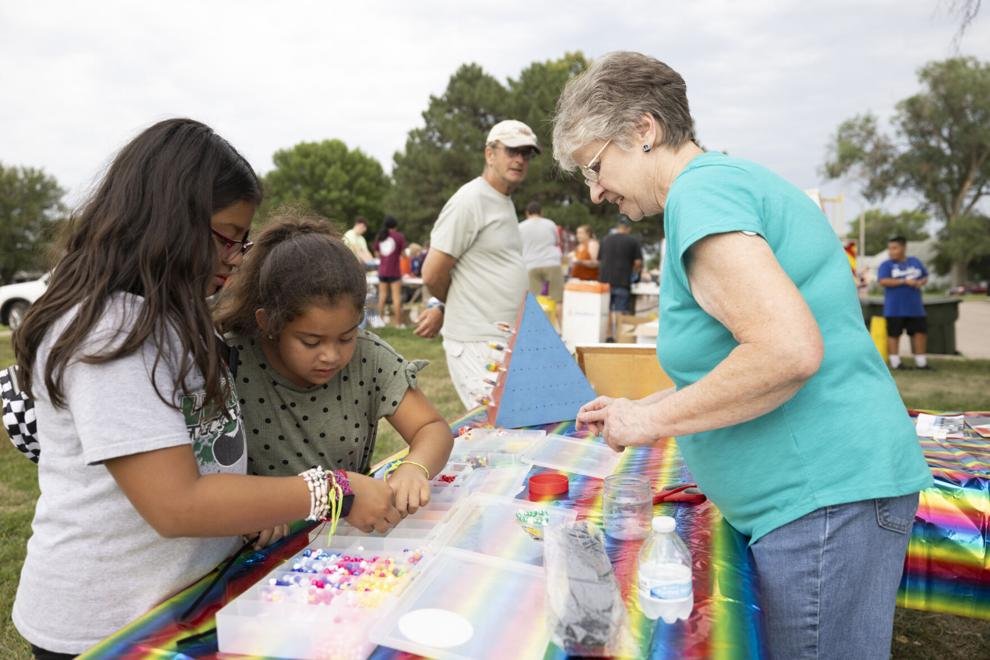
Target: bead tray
{"points": [[588, 457], [293, 613], [500, 624], [484, 447], [489, 525]]}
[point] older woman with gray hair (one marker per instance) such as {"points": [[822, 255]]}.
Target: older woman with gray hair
{"points": [[783, 409]]}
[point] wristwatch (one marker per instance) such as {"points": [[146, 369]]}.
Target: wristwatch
{"points": [[435, 303]]}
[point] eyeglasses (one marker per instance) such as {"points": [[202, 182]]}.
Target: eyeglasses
{"points": [[590, 171], [229, 247], [527, 153]]}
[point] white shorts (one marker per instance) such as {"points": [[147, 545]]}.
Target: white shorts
{"points": [[466, 362]]}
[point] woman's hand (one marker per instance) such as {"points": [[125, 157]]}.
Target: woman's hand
{"points": [[267, 537], [584, 420], [373, 508], [623, 423], [409, 487]]}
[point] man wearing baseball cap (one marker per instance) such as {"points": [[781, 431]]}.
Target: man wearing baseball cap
{"points": [[474, 268]]}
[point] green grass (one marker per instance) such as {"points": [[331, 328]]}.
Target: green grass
{"points": [[433, 381], [956, 384], [18, 492]]}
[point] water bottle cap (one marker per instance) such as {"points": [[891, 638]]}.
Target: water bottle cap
{"points": [[663, 524]]}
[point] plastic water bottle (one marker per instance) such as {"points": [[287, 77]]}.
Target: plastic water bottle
{"points": [[665, 588]]}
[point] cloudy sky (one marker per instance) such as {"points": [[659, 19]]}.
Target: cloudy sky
{"points": [[768, 81]]}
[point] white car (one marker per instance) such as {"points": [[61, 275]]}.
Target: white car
{"points": [[16, 298]]}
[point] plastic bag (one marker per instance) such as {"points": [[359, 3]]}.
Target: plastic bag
{"points": [[585, 612]]}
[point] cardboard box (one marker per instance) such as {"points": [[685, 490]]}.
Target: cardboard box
{"points": [[622, 370], [627, 325]]}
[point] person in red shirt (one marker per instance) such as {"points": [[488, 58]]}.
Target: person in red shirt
{"points": [[389, 244]]}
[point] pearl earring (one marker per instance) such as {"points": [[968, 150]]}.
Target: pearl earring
{"points": [[646, 148]]}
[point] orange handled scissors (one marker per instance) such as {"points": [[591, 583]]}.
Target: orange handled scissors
{"points": [[686, 493]]}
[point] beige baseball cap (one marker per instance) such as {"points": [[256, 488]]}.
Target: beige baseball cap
{"points": [[513, 133]]}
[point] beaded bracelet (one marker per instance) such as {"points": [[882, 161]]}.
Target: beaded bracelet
{"points": [[326, 492], [343, 481], [316, 482], [395, 466]]}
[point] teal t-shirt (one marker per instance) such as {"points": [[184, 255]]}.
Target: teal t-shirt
{"points": [[845, 436]]}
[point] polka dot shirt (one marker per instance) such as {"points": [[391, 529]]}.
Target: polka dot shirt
{"points": [[290, 429]]}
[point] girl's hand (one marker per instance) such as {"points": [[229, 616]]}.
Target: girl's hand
{"points": [[267, 537], [409, 487], [373, 508]]}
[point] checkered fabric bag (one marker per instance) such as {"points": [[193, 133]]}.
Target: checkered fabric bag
{"points": [[20, 421], [18, 415]]}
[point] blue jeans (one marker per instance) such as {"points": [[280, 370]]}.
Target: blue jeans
{"points": [[828, 580]]}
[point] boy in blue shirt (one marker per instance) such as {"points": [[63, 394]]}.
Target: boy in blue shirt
{"points": [[902, 278]]}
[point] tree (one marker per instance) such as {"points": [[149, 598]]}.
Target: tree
{"points": [[880, 226], [329, 179], [940, 150], [564, 196], [968, 242], [967, 11], [30, 208], [447, 151]]}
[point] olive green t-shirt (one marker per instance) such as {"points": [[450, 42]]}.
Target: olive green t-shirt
{"points": [[290, 429]]}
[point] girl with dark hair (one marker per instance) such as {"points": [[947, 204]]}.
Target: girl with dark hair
{"points": [[143, 455], [389, 244], [313, 384]]}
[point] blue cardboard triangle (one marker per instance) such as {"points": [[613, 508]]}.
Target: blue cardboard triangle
{"points": [[542, 382]]}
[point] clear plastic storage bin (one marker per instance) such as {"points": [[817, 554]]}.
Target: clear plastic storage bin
{"points": [[466, 605], [424, 529], [503, 527], [493, 447], [300, 611], [588, 457], [504, 481]]}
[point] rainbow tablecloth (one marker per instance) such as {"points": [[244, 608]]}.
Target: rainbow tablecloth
{"points": [[184, 626], [947, 568], [725, 623], [948, 562]]}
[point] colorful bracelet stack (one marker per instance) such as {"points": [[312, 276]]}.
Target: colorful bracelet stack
{"points": [[326, 494], [394, 465]]}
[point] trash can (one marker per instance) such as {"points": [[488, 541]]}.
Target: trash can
{"points": [[942, 314]]}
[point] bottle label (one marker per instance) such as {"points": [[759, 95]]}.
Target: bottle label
{"points": [[671, 591]]}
